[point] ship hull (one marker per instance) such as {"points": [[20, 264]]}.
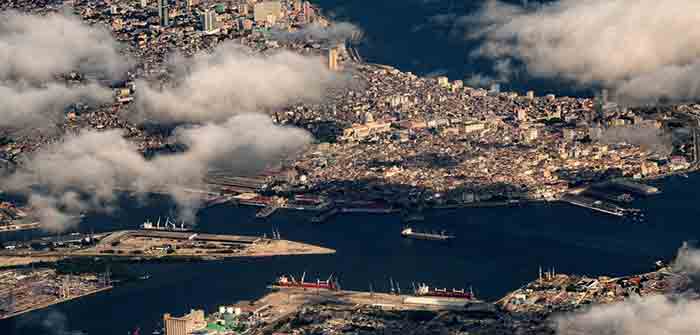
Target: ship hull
{"points": [[427, 237], [321, 286], [437, 301]]}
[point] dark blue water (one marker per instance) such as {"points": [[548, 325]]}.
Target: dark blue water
{"points": [[424, 37], [497, 250]]}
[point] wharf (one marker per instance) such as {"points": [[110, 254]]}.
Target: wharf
{"points": [[45, 304], [20, 226], [634, 187], [282, 303], [148, 244], [596, 205], [322, 217], [266, 211]]}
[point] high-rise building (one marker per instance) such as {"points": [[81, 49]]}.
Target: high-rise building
{"points": [[209, 24], [164, 13], [266, 9], [333, 59], [308, 12]]}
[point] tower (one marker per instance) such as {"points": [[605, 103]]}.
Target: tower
{"points": [[333, 59], [208, 19], [164, 13]]}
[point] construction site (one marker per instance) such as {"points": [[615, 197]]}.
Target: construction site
{"points": [[154, 244], [25, 290]]}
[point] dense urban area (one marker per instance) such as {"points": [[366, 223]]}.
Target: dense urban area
{"points": [[383, 140], [386, 139]]}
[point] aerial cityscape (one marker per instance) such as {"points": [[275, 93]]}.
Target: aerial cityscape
{"points": [[254, 166]]}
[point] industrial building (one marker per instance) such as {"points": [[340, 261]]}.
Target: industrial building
{"points": [[184, 325]]}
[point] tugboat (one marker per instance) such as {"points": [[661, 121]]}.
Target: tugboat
{"points": [[330, 284]]}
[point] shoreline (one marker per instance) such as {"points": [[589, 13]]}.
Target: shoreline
{"points": [[135, 245], [52, 303]]}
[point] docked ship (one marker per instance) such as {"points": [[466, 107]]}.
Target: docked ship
{"points": [[409, 233], [424, 290], [288, 281], [168, 226]]}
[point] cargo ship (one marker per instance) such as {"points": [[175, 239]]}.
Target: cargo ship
{"points": [[424, 290], [168, 226], [409, 233], [288, 281]]}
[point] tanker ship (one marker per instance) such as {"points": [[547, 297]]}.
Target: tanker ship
{"points": [[425, 295], [424, 290], [288, 281]]}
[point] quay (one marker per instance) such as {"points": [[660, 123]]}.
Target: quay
{"points": [[634, 187], [596, 205], [20, 226], [150, 244], [266, 211]]}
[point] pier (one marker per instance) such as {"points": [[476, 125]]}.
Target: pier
{"points": [[596, 205], [266, 211]]}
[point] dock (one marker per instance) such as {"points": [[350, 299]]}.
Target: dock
{"points": [[325, 215], [634, 187], [20, 226], [266, 211], [152, 244], [596, 205]]}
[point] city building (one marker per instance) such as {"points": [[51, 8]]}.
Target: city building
{"points": [[164, 13], [308, 12], [333, 59], [209, 24], [144, 3], [266, 11], [184, 325]]}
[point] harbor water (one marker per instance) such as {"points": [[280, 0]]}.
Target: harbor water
{"points": [[495, 250]]}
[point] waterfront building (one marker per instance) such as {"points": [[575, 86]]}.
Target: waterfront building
{"points": [[184, 325]]}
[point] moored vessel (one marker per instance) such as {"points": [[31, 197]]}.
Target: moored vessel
{"points": [[288, 281]]}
